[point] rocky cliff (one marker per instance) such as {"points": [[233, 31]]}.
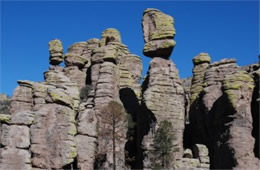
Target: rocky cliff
{"points": [[62, 122]]}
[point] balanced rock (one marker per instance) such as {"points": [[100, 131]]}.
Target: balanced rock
{"points": [[158, 33], [56, 52]]}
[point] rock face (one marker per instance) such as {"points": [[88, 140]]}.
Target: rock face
{"points": [[221, 117], [237, 126], [60, 123], [158, 33], [15, 141]]}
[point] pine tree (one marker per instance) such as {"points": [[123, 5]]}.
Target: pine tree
{"points": [[163, 146], [114, 120]]}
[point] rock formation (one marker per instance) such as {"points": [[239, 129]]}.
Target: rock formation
{"points": [[221, 117], [163, 94], [60, 123]]}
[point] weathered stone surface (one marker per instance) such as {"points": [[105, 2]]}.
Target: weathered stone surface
{"points": [[213, 79], [86, 147], [201, 62], [110, 35], [233, 143], [22, 99], [164, 100], [23, 118], [55, 77], [12, 158], [77, 55], [87, 123], [130, 70], [61, 97], [56, 52], [76, 75], [158, 33], [15, 136], [52, 137]]}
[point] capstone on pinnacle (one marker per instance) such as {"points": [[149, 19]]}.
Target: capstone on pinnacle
{"points": [[56, 52], [201, 58], [158, 31]]}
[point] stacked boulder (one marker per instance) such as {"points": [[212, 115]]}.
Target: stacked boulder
{"points": [[163, 94], [56, 52]]}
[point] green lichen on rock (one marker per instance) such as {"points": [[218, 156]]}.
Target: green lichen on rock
{"points": [[234, 83], [61, 97], [5, 118], [201, 58], [55, 46], [167, 44], [158, 31], [73, 129], [72, 154], [110, 35], [162, 23]]}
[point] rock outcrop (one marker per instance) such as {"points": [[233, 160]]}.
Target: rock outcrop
{"points": [[62, 122]]}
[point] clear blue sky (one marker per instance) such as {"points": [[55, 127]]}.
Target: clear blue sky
{"points": [[223, 29]]}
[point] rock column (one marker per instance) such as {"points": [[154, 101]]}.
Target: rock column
{"points": [[163, 95]]}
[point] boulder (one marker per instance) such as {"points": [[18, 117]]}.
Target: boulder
{"points": [[158, 33], [56, 52]]}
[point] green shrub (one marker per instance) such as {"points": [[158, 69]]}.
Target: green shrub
{"points": [[84, 91], [5, 106]]}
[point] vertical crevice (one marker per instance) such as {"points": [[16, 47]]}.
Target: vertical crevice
{"points": [[131, 105], [255, 114], [88, 78]]}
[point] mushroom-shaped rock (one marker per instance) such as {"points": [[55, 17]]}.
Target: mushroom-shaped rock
{"points": [[56, 52], [158, 33], [110, 35], [201, 58]]}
